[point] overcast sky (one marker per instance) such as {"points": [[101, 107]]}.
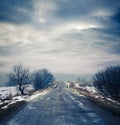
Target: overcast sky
{"points": [[64, 36]]}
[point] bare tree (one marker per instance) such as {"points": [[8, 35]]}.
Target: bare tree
{"points": [[20, 76], [42, 78]]}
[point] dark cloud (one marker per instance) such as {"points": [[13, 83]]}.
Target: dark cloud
{"points": [[80, 8], [116, 17], [15, 11], [115, 20], [70, 9]]}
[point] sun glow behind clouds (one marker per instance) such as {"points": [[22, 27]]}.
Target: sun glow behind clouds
{"points": [[60, 35], [84, 26]]}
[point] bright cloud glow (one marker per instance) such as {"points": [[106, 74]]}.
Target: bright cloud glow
{"points": [[84, 26], [63, 36]]}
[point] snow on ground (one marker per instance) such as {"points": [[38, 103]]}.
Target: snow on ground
{"points": [[67, 84], [5, 91], [11, 95], [77, 85], [86, 86], [90, 89], [37, 94]]}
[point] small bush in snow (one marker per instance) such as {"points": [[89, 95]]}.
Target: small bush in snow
{"points": [[108, 82], [10, 96]]}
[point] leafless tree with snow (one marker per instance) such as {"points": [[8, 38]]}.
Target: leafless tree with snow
{"points": [[20, 76]]}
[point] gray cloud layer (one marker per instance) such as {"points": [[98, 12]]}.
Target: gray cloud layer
{"points": [[62, 35], [15, 11]]}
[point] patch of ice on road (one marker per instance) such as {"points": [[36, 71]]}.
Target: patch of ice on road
{"points": [[31, 107], [80, 103], [85, 108], [12, 122], [92, 115], [94, 118], [48, 99], [91, 118]]}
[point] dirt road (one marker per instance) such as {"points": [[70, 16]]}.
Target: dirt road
{"points": [[62, 107]]}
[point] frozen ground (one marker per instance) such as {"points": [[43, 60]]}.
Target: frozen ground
{"points": [[10, 95], [61, 106], [6, 92], [91, 90]]}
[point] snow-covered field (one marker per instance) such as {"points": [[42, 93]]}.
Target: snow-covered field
{"points": [[5, 91], [10, 95]]}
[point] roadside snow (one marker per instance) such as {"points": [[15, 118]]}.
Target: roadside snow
{"points": [[11, 95], [87, 86], [67, 84], [77, 85], [37, 94], [5, 91], [90, 89], [19, 98]]}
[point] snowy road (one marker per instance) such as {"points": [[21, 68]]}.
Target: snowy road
{"points": [[62, 107]]}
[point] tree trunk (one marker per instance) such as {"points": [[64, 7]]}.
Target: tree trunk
{"points": [[21, 89]]}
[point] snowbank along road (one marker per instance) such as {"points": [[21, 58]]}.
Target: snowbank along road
{"points": [[62, 107]]}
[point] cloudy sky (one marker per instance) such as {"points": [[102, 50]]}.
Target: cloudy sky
{"points": [[65, 36]]}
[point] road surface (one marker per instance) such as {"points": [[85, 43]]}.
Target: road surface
{"points": [[62, 107]]}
